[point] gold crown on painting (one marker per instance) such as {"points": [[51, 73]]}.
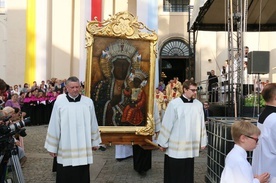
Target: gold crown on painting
{"points": [[121, 47], [140, 74]]}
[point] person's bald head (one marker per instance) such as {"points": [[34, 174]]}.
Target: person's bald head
{"points": [[2, 115], [8, 111]]}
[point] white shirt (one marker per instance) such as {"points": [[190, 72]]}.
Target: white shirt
{"points": [[237, 169]]}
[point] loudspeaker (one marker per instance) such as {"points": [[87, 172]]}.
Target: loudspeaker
{"points": [[258, 62]]}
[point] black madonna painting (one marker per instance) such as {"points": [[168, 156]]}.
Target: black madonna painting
{"points": [[120, 96], [120, 71]]}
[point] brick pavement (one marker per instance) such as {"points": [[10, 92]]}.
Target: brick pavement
{"points": [[105, 168]]}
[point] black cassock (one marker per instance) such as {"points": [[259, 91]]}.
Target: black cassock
{"points": [[141, 159]]}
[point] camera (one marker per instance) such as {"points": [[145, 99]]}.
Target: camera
{"points": [[18, 125], [7, 131], [8, 148]]}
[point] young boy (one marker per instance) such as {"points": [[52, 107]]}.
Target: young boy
{"points": [[237, 169]]}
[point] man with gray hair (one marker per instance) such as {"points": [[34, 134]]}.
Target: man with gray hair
{"points": [[72, 134]]}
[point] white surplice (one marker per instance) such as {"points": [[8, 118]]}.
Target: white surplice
{"points": [[264, 156], [73, 131], [123, 151], [183, 129]]}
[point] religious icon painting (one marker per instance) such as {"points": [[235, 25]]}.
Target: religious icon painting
{"points": [[121, 54]]}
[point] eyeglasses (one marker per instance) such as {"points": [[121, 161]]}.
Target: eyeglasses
{"points": [[193, 90], [256, 139]]}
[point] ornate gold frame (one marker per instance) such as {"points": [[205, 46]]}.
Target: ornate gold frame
{"points": [[122, 25]]}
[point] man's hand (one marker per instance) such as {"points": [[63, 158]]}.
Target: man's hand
{"points": [[53, 154], [156, 135], [163, 149], [17, 143], [95, 148], [263, 178]]}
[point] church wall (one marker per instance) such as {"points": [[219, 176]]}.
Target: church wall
{"points": [[172, 25], [108, 9], [15, 43], [61, 38], [273, 66], [205, 50], [65, 38], [3, 45]]}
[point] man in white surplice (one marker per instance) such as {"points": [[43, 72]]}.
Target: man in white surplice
{"points": [[72, 134], [182, 135], [264, 156]]}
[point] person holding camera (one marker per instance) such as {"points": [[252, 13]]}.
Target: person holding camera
{"points": [[11, 118], [72, 134]]}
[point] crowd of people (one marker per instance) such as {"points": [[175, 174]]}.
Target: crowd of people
{"points": [[182, 133], [35, 101], [217, 85], [166, 93], [175, 90], [18, 103]]}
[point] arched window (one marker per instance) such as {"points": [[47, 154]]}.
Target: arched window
{"points": [[175, 48]]}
